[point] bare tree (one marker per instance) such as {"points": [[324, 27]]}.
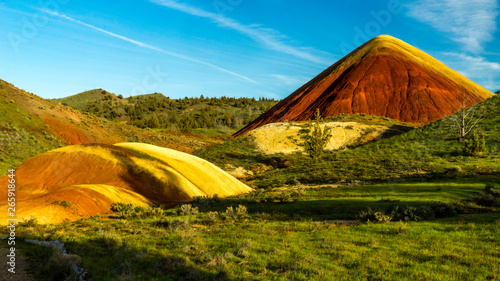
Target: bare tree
{"points": [[466, 118]]}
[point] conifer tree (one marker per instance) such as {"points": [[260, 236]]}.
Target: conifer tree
{"points": [[153, 121], [316, 138]]}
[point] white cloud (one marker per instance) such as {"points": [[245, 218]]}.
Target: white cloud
{"points": [[474, 63], [477, 68], [270, 38], [290, 80], [147, 46], [471, 23]]}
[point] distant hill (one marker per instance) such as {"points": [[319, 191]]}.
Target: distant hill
{"points": [[385, 77], [83, 180], [209, 116], [30, 125]]}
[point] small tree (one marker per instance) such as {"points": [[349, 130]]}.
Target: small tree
{"points": [[475, 145], [316, 138], [153, 122]]}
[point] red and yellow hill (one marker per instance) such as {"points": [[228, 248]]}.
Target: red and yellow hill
{"points": [[91, 177], [385, 77]]}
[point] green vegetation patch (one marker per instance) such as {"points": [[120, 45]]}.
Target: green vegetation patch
{"points": [[313, 237]]}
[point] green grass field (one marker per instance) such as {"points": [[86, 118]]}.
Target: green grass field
{"points": [[311, 237]]}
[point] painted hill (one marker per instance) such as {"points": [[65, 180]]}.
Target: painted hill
{"points": [[90, 177], [385, 77], [30, 125]]}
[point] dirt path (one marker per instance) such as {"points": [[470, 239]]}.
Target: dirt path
{"points": [[21, 266]]}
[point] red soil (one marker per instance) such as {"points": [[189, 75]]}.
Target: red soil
{"points": [[378, 79]]}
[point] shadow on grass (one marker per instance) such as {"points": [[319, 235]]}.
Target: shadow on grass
{"points": [[335, 209], [110, 259]]}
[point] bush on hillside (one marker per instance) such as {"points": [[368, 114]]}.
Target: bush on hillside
{"points": [[186, 209], [128, 211], [410, 213], [475, 145], [203, 202], [172, 225], [489, 198], [237, 213], [374, 216]]}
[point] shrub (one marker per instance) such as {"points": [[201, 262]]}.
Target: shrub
{"points": [[490, 197], [411, 213], [475, 145], [298, 192], [203, 202], [211, 218], [63, 203], [424, 212], [241, 210], [186, 209], [403, 213], [402, 228], [283, 196], [119, 206], [486, 199], [152, 212], [131, 211], [490, 189], [31, 222], [376, 216], [443, 210], [231, 213], [453, 172], [173, 225], [218, 261]]}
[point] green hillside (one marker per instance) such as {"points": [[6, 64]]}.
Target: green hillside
{"points": [[22, 135], [30, 125], [209, 116], [429, 151]]}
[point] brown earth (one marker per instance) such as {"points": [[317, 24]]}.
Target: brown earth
{"points": [[385, 77], [92, 176]]}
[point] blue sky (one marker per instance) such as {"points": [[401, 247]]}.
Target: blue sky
{"points": [[252, 48]]}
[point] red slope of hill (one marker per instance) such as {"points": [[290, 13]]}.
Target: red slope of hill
{"points": [[384, 77], [74, 127]]}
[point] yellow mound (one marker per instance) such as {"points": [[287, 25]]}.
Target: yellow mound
{"points": [[285, 137], [193, 175], [90, 177]]}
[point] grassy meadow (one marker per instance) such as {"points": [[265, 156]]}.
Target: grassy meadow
{"points": [[311, 234]]}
